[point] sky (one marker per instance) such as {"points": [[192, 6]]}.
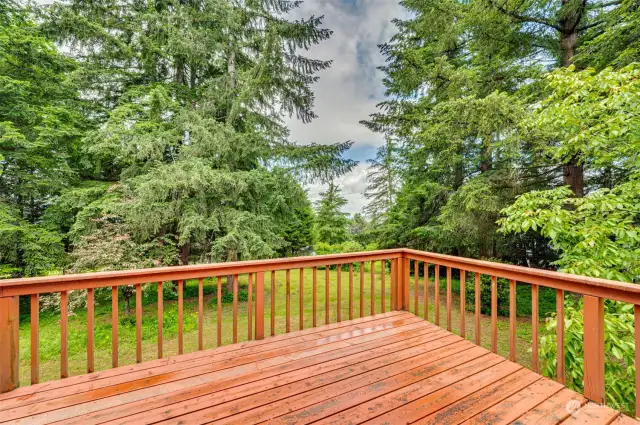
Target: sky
{"points": [[349, 91]]}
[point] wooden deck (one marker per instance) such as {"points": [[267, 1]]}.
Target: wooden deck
{"points": [[391, 368]]}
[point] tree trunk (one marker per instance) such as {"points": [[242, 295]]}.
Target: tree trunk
{"points": [[232, 255], [573, 170], [184, 253]]}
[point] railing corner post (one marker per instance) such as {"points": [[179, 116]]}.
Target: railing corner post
{"points": [[593, 314], [260, 305], [9, 339]]}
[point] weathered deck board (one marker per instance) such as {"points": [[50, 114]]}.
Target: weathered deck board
{"points": [[389, 368]]}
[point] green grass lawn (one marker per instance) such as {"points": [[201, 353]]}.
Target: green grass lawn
{"points": [[50, 326]]}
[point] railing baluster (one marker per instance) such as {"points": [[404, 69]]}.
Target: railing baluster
{"points": [[372, 273], [463, 302], [477, 310], [288, 299], [180, 318], [339, 296], [273, 302], [593, 314], [351, 291], [535, 319], [437, 297], [361, 289], [250, 308], [426, 291], [560, 334], [138, 323], [512, 320], [64, 338], [35, 338], [415, 288], [219, 317], [301, 298], [160, 318], [393, 288], [90, 330], [114, 326], [636, 314], [326, 294], [260, 305], [315, 296], [494, 314], [200, 314], [235, 308], [383, 270], [449, 299]]}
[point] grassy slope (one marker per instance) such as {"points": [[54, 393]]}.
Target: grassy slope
{"points": [[50, 327]]}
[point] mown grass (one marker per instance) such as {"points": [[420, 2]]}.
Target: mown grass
{"points": [[50, 325]]}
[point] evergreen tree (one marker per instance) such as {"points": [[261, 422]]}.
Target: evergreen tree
{"points": [[382, 182], [192, 96], [331, 222], [40, 128]]}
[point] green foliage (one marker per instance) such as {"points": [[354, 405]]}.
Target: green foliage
{"points": [[331, 222]]}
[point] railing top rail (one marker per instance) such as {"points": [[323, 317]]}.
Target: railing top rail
{"points": [[604, 288], [45, 284]]}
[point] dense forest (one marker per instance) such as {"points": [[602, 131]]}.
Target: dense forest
{"points": [[138, 134]]}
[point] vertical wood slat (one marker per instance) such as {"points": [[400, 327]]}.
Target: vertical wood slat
{"points": [[394, 288], [180, 316], [437, 295], [35, 338], [64, 336], [383, 272], [273, 303], [361, 289], [406, 271], [463, 302], [260, 305], [351, 291], [560, 335], [372, 265], [200, 314], [114, 326], [636, 314], [326, 295], [478, 330], [512, 320], [301, 299], [138, 323], [494, 314], [235, 308], [339, 295], [426, 291], [535, 320], [250, 308], [288, 301], [416, 309], [449, 299], [315, 297], [219, 317], [160, 318], [593, 315], [90, 330], [10, 346]]}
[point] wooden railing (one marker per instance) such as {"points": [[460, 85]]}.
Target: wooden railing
{"points": [[401, 262]]}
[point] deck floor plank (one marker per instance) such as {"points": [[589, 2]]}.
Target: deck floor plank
{"points": [[391, 368]]}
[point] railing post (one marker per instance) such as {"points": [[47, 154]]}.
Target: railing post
{"points": [[260, 305], [593, 348], [9, 338], [405, 276], [394, 284]]}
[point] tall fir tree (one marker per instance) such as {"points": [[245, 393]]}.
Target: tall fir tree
{"points": [[332, 224]]}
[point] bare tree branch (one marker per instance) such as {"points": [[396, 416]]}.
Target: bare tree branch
{"points": [[523, 18]]}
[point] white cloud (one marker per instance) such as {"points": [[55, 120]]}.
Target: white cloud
{"points": [[349, 91]]}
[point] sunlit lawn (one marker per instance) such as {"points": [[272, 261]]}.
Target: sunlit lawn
{"points": [[50, 327]]}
